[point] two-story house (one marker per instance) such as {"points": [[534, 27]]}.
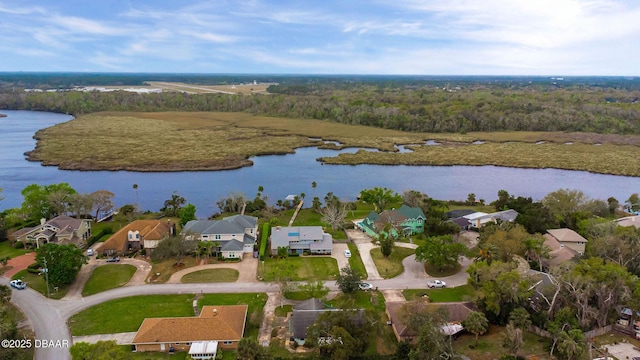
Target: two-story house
{"points": [[140, 234], [60, 230], [298, 239], [407, 220], [569, 238], [234, 235]]}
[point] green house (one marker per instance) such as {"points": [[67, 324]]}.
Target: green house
{"points": [[407, 220]]}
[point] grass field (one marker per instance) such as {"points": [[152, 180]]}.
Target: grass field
{"points": [[211, 275], [39, 284], [254, 301], [107, 277], [456, 294], [355, 261], [6, 250], [127, 314], [109, 141], [392, 266], [436, 271], [307, 268]]}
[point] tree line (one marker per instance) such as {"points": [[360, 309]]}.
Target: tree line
{"points": [[420, 108]]}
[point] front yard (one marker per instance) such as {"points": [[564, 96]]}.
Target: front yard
{"points": [[211, 275], [167, 268], [301, 268], [455, 294], [392, 266], [8, 251], [39, 284], [107, 277]]}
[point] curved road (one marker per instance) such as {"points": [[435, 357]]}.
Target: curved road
{"points": [[49, 317]]}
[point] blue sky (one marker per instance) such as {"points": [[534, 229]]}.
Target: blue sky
{"points": [[433, 37]]}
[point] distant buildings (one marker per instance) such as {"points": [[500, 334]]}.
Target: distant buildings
{"points": [[407, 220], [301, 239], [62, 230]]}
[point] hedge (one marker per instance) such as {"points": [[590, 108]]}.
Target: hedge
{"points": [[263, 240], [98, 235]]}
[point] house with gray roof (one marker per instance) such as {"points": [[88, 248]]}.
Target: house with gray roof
{"points": [[235, 235], [61, 230], [298, 239], [306, 314], [480, 219]]}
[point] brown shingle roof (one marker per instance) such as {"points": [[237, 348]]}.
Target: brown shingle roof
{"points": [[225, 324], [458, 312], [149, 230], [558, 253], [566, 235]]}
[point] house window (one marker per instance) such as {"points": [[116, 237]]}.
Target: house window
{"points": [[227, 342], [218, 237], [232, 254], [205, 236]]}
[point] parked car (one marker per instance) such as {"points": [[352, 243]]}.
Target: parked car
{"points": [[437, 284], [347, 253], [365, 286], [18, 284], [90, 252], [113, 259]]}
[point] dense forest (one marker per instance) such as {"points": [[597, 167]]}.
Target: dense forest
{"points": [[598, 105]]}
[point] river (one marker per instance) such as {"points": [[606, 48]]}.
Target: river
{"points": [[281, 175]]}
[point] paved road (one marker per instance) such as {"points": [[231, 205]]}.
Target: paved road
{"points": [[49, 317]]}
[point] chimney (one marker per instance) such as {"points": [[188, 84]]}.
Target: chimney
{"points": [[43, 221], [278, 228]]}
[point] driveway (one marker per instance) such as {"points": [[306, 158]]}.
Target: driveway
{"points": [[623, 350], [120, 338], [19, 263], [363, 242], [337, 253]]}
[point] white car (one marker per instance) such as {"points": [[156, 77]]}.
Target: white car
{"points": [[18, 284], [437, 284], [347, 253], [365, 286], [90, 252]]}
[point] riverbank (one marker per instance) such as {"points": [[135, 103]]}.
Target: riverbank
{"points": [[194, 141]]}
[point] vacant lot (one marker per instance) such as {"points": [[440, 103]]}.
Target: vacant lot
{"points": [[307, 268], [107, 277], [456, 294], [110, 141], [211, 275]]}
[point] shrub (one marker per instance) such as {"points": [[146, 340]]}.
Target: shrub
{"points": [[18, 245]]}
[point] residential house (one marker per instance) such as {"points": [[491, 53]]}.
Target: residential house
{"points": [[398, 311], [61, 230], [408, 220], [223, 325], [306, 314], [480, 219], [569, 238], [558, 252], [300, 239], [235, 235], [140, 234]]}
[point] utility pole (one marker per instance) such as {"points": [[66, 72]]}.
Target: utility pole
{"points": [[46, 274]]}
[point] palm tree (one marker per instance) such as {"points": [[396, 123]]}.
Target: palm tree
{"points": [[486, 253], [571, 344], [135, 187]]}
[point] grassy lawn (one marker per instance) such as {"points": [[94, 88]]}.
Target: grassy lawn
{"points": [[392, 266], [282, 311], [211, 275], [39, 284], [167, 268], [490, 345], [456, 294], [127, 314], [444, 272], [255, 301], [6, 250], [107, 277], [355, 261], [308, 268]]}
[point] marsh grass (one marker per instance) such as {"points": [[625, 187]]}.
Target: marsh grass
{"points": [[176, 141]]}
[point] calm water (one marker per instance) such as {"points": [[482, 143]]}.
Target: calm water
{"points": [[282, 175]]}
